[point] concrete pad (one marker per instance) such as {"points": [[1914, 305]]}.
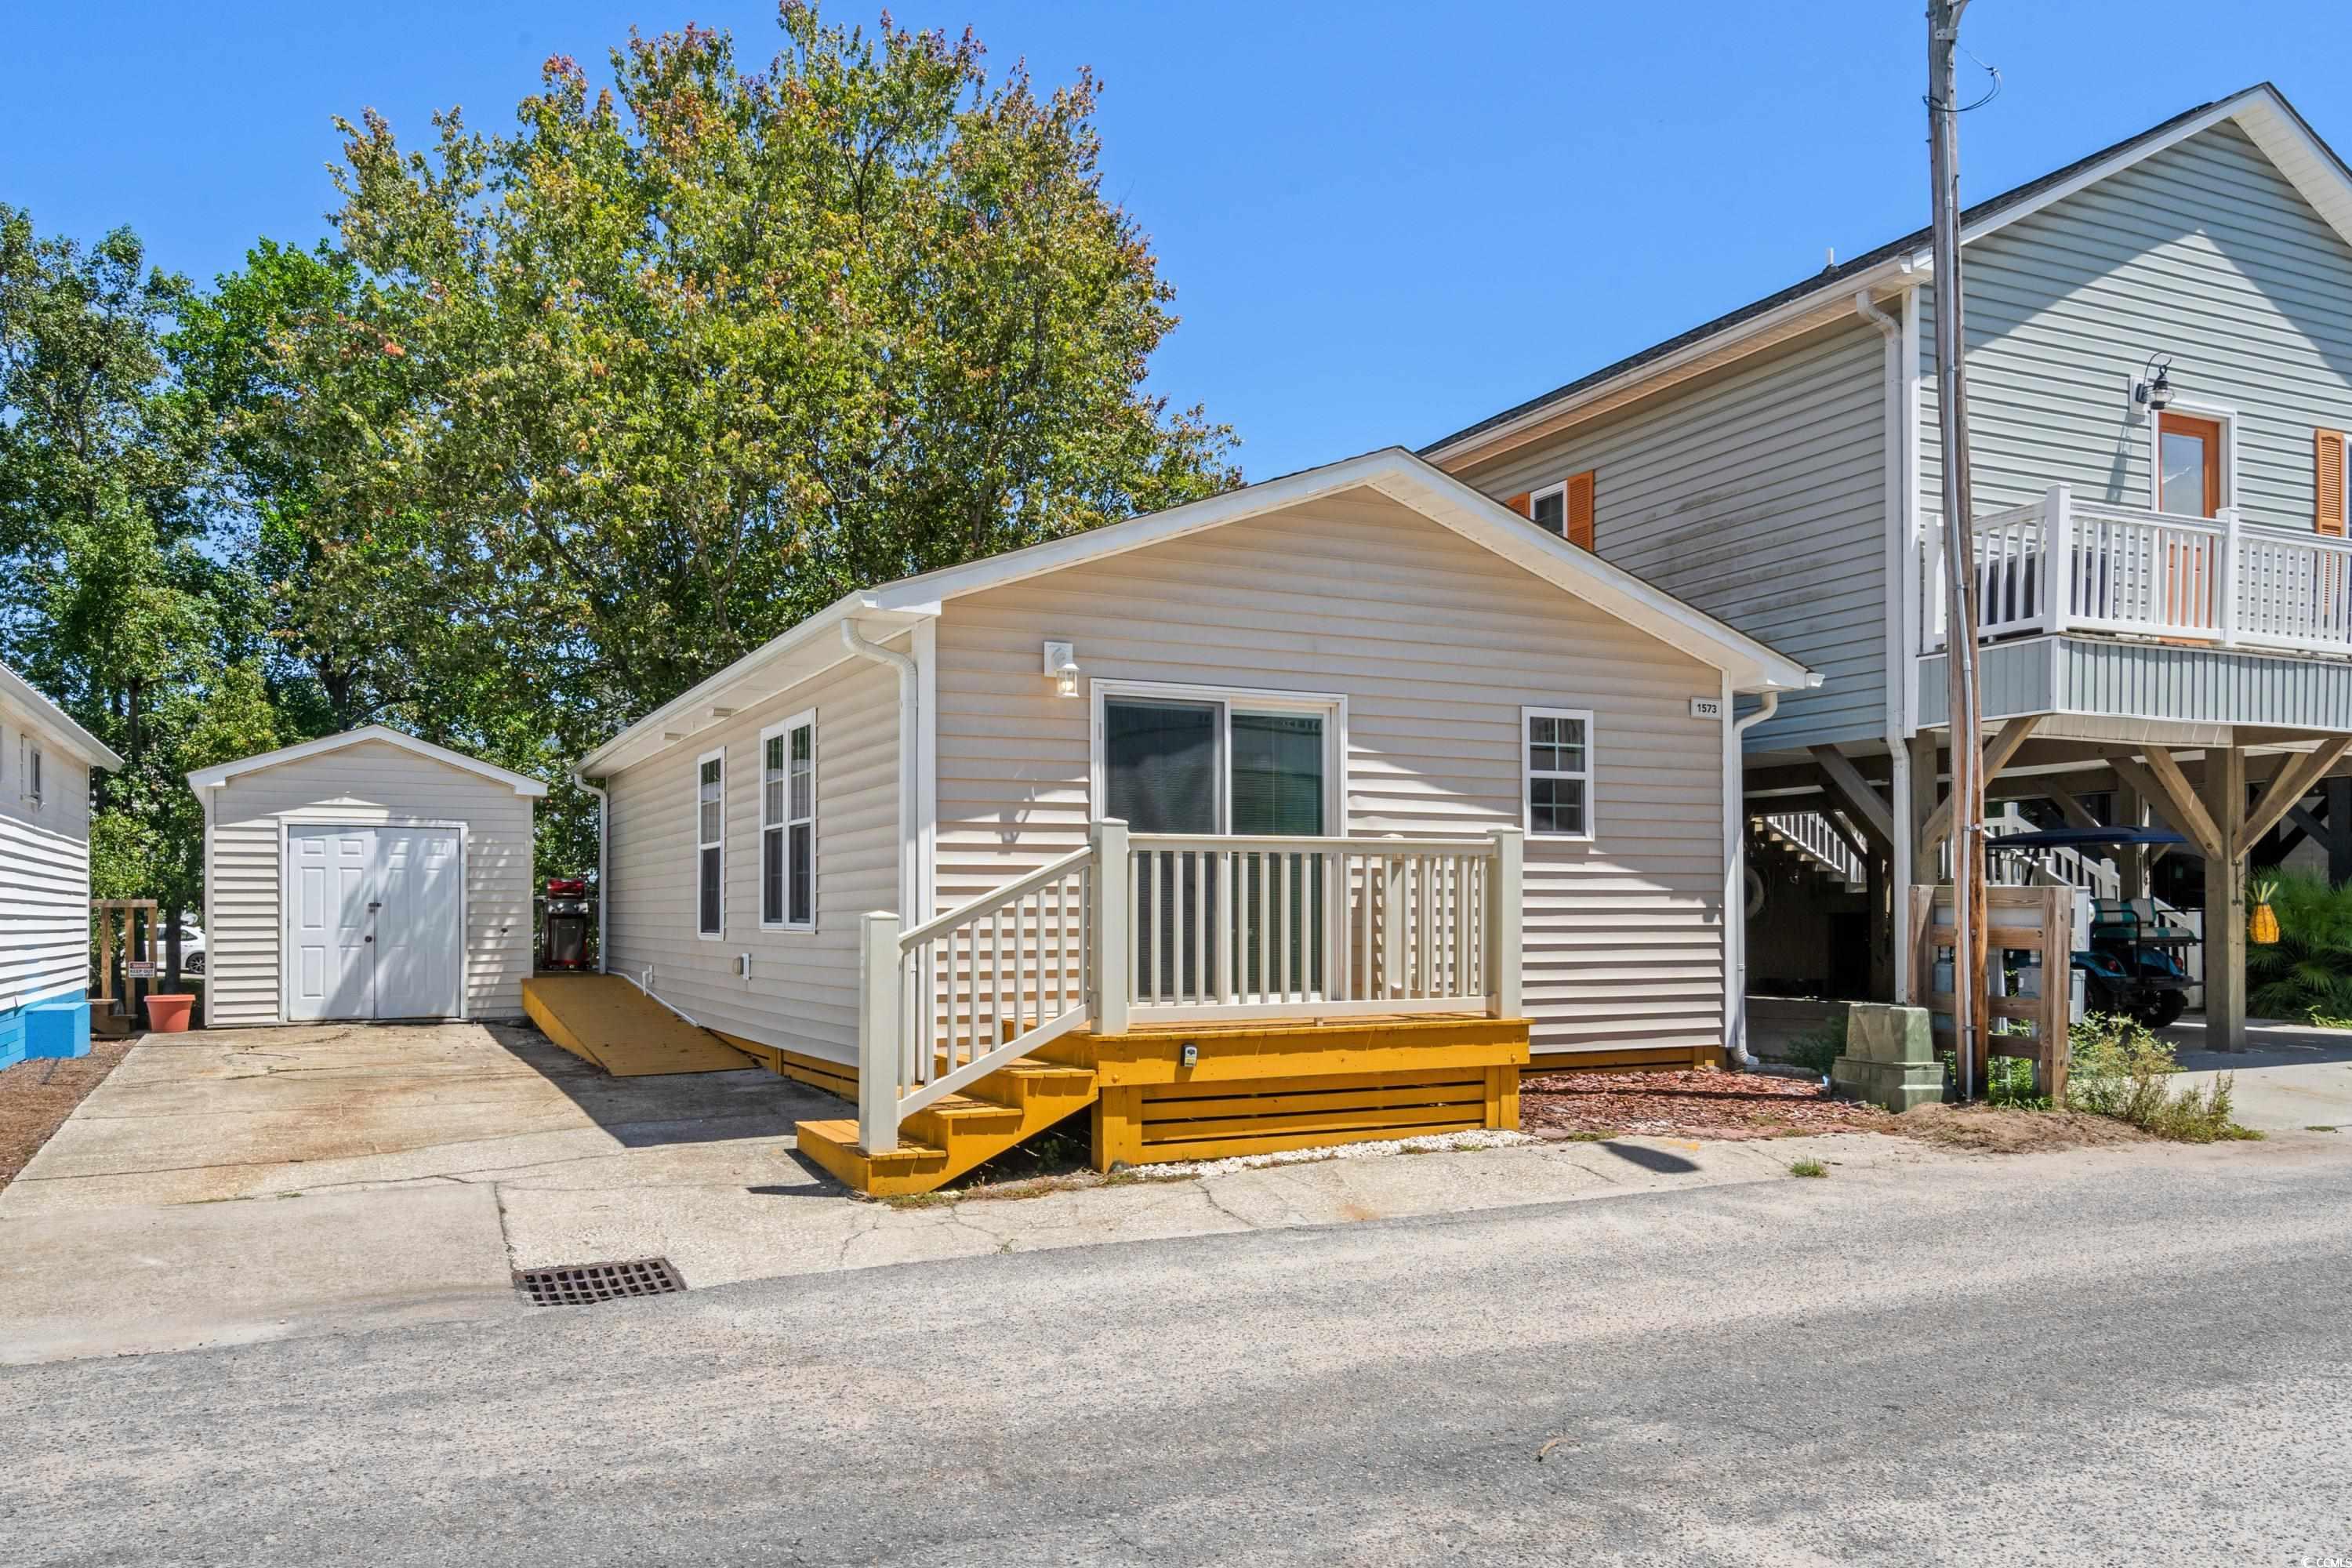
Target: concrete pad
{"points": [[2289, 1077], [119, 1281]]}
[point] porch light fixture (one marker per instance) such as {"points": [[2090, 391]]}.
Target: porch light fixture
{"points": [[1062, 668], [2156, 390]]}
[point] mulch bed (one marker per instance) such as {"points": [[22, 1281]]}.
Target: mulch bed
{"points": [[1718, 1105], [34, 1097]]}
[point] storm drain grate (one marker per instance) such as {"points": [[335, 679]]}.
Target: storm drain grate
{"points": [[579, 1284]]}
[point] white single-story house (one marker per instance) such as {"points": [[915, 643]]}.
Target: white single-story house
{"points": [[1319, 705], [365, 875], [45, 766]]}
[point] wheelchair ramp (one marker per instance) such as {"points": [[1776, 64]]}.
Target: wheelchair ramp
{"points": [[604, 1019]]}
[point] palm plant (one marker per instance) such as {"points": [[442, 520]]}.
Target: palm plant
{"points": [[2307, 973]]}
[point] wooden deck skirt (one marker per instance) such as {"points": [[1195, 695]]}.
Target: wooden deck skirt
{"points": [[1257, 1088]]}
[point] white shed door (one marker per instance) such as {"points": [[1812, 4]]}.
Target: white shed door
{"points": [[376, 919]]}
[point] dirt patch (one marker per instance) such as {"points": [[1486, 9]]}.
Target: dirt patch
{"points": [[1721, 1105], [34, 1097], [1994, 1130]]}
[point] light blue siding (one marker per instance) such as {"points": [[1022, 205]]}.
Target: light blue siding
{"points": [[2152, 680], [1757, 495], [2204, 251]]}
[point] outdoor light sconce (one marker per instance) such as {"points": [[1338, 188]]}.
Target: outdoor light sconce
{"points": [[1062, 668], [2156, 390]]}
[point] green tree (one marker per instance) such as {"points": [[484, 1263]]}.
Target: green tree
{"points": [[696, 354]]}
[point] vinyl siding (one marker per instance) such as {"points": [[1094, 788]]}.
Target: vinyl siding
{"points": [[44, 874], [802, 994], [1436, 644], [2152, 681], [373, 782], [2204, 251], [1759, 495]]}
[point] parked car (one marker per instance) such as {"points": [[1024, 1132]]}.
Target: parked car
{"points": [[192, 949]]}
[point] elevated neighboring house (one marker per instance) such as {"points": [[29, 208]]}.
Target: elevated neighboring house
{"points": [[2159, 364], [1297, 813], [44, 766]]}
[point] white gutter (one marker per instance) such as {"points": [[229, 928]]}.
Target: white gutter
{"points": [[1735, 883], [603, 844], [910, 704]]}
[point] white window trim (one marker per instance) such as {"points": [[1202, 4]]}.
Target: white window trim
{"points": [[1331, 704], [1559, 489], [701, 843], [1529, 775], [2220, 414], [806, 716]]}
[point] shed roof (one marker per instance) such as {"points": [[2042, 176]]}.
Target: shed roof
{"points": [[220, 773]]}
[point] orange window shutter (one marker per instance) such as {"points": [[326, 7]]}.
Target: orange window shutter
{"points": [[1518, 503], [2328, 481], [1580, 509]]}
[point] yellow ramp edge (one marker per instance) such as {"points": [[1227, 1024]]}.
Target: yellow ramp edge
{"points": [[604, 1019]]}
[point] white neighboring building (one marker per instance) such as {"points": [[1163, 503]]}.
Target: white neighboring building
{"points": [[44, 766]]}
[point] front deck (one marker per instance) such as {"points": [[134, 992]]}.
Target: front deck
{"points": [[1204, 996]]}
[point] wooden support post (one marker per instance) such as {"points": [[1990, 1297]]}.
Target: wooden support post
{"points": [[1118, 1126], [1860, 798], [2131, 860], [2225, 901]]}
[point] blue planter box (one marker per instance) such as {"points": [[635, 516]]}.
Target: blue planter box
{"points": [[53, 1027]]}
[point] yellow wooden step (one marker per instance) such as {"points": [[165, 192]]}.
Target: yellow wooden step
{"points": [[954, 1133], [909, 1168]]}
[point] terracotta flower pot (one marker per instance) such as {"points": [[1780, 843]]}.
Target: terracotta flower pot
{"points": [[168, 1015]]}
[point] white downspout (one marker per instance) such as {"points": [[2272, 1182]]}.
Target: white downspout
{"points": [[1734, 881], [603, 849], [910, 704], [1899, 547]]}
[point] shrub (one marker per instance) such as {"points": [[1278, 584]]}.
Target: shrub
{"points": [[1817, 1051], [2120, 1068], [2307, 973], [1808, 1168]]}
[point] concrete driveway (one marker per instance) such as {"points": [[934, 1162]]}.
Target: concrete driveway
{"points": [[242, 1185], [2291, 1076]]}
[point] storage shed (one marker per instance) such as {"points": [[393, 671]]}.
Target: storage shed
{"points": [[365, 875]]}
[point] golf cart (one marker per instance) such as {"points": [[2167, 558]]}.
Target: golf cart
{"points": [[2132, 961]]}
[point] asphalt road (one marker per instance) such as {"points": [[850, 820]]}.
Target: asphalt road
{"points": [[2112, 1357]]}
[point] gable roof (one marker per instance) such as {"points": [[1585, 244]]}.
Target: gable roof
{"points": [[2261, 112], [54, 725], [813, 645], [220, 773]]}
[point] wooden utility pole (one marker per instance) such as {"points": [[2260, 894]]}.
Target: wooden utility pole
{"points": [[1959, 562]]}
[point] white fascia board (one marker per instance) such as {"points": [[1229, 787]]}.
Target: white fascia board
{"points": [[921, 595], [38, 714], [214, 777], [739, 685], [2266, 118], [1827, 303]]}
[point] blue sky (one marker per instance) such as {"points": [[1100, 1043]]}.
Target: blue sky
{"points": [[1383, 222]]}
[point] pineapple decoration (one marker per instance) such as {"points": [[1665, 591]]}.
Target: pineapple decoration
{"points": [[2262, 923]]}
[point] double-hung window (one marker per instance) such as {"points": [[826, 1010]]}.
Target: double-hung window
{"points": [[1557, 765], [788, 824], [28, 771], [710, 843]]}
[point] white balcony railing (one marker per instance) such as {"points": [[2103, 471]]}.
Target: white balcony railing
{"points": [[1175, 928], [2059, 564]]}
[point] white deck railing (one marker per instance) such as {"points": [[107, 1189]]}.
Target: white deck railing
{"points": [[2059, 564], [1175, 927], [1814, 836]]}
